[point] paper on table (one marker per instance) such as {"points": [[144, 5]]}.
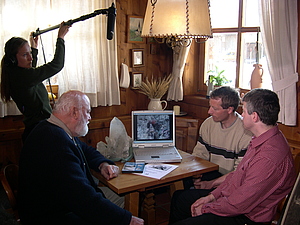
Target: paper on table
{"points": [[157, 171]]}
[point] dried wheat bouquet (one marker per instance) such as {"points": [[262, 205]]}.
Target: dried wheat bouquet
{"points": [[155, 88]]}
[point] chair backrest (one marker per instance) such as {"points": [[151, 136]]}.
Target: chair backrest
{"points": [[11, 172], [9, 181], [9, 192], [290, 213]]}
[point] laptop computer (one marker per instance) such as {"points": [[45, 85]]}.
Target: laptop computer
{"points": [[153, 134]]}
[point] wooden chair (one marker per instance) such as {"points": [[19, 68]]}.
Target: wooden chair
{"points": [[11, 173], [282, 204], [9, 180], [290, 212]]}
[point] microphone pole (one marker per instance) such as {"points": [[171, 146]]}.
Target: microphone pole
{"points": [[107, 11]]}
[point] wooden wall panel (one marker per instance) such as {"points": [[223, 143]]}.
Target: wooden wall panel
{"points": [[295, 148], [158, 63], [10, 152]]}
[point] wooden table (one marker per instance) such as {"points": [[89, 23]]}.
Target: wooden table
{"points": [[131, 185]]}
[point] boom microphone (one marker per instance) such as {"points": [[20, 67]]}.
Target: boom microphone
{"points": [[110, 12], [111, 17]]}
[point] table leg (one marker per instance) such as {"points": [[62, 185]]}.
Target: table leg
{"points": [[148, 209], [132, 203]]}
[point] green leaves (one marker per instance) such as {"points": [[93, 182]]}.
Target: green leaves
{"points": [[217, 78]]}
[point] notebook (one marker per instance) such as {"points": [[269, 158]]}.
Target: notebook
{"points": [[153, 134]]}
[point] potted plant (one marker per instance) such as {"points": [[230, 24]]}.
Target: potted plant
{"points": [[216, 77]]}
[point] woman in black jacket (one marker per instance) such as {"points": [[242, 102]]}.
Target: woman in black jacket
{"points": [[21, 80]]}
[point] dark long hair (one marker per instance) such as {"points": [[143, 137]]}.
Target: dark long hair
{"points": [[8, 61]]}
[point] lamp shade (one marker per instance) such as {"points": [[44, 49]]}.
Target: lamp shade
{"points": [[178, 18]]}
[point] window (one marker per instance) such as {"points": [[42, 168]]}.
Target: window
{"points": [[236, 38]]}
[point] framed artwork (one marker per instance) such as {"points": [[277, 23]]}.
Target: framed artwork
{"points": [[134, 29], [137, 57], [136, 79]]}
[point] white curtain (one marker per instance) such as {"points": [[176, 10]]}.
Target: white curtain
{"points": [[175, 91], [279, 24], [91, 60], [18, 18]]}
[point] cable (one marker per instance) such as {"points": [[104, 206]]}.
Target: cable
{"points": [[49, 82]]}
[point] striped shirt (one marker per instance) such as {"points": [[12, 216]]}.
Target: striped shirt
{"points": [[225, 147]]}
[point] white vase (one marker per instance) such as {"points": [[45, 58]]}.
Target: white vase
{"points": [[156, 104], [256, 76]]}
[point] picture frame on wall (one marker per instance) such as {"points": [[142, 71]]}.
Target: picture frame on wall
{"points": [[134, 29], [136, 79], [137, 57]]}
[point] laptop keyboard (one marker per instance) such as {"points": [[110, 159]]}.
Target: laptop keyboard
{"points": [[154, 151]]}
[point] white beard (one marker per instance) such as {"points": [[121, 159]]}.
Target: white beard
{"points": [[82, 129]]}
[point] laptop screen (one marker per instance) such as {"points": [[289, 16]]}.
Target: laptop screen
{"points": [[153, 128]]}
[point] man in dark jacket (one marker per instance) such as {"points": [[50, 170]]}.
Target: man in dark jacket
{"points": [[55, 185]]}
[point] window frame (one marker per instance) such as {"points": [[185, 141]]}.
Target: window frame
{"points": [[239, 30]]}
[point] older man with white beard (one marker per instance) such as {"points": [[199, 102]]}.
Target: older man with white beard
{"points": [[55, 185]]}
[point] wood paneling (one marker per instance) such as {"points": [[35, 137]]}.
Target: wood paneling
{"points": [[295, 149], [10, 151], [187, 132], [195, 86], [158, 63], [130, 98]]}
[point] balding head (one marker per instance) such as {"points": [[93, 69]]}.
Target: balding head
{"points": [[68, 100], [73, 109]]}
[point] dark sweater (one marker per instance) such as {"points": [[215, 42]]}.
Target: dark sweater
{"points": [[53, 181], [27, 89]]}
